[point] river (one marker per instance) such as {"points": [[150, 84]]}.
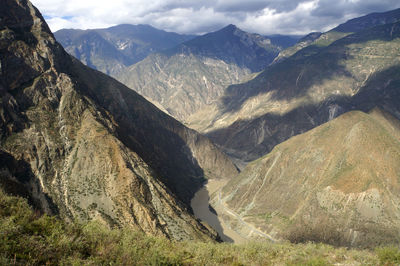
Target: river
{"points": [[201, 209]]}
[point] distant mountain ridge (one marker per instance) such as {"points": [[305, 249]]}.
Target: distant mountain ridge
{"points": [[369, 21], [351, 26], [188, 77], [112, 49], [233, 46]]}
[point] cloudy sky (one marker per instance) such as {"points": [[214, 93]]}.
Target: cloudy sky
{"points": [[201, 16]]}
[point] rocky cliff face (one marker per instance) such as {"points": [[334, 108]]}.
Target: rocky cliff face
{"points": [[82, 145], [358, 71], [338, 184]]}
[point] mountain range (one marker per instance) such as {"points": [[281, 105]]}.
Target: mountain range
{"points": [[112, 49], [313, 128], [190, 76], [182, 78], [314, 85]]}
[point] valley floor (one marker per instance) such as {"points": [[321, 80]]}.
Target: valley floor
{"points": [[214, 215]]}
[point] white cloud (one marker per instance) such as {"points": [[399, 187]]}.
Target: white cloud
{"points": [[295, 21], [199, 16], [80, 22]]}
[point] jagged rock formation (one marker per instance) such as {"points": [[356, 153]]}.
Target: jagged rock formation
{"points": [[337, 183], [113, 49], [192, 75], [359, 71], [82, 145]]}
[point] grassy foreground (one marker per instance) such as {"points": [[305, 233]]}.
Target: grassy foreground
{"points": [[28, 238]]}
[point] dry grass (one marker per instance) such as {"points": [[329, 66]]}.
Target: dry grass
{"points": [[28, 238]]}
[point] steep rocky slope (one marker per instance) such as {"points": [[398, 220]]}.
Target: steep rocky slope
{"points": [[338, 183], [192, 75], [303, 42], [183, 83], [112, 49], [82, 145], [93, 50], [313, 86]]}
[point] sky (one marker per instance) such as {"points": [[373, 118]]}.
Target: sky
{"points": [[290, 17]]}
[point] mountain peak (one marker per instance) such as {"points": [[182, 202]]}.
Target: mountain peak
{"points": [[133, 27], [230, 27], [232, 45]]}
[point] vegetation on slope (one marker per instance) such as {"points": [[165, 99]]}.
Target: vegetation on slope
{"points": [[29, 238]]}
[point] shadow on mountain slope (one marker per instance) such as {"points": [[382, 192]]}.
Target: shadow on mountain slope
{"points": [[133, 122], [16, 178], [249, 139], [309, 67]]}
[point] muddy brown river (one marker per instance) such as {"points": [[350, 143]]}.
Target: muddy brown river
{"points": [[201, 209]]}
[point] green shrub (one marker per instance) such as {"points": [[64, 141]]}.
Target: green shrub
{"points": [[388, 255]]}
